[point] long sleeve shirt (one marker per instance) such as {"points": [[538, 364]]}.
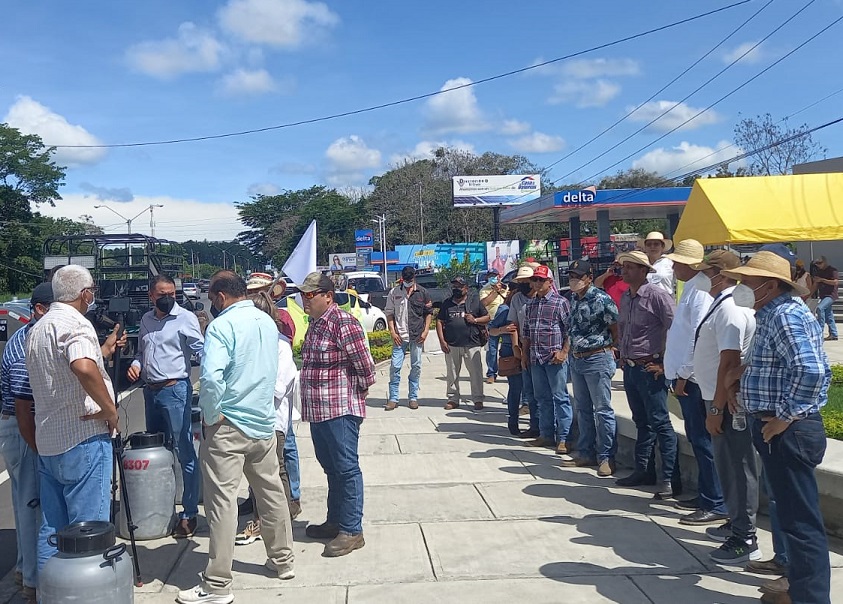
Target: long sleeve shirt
{"points": [[239, 370], [165, 345], [337, 367], [679, 349], [663, 277], [788, 372], [644, 320], [547, 326], [286, 383]]}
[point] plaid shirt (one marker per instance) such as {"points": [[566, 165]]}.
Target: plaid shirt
{"points": [[337, 367], [546, 326], [788, 372]]}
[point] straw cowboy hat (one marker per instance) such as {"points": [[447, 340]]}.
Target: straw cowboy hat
{"points": [[524, 273], [259, 280], [636, 257], [687, 251], [766, 264], [722, 259], [656, 236]]}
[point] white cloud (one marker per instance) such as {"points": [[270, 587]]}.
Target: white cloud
{"points": [[350, 160], [676, 116], [31, 117], [456, 110], [193, 50], [426, 149], [178, 220], [247, 82], [514, 127], [121, 194], [538, 142], [263, 188], [583, 69], [279, 23], [756, 55], [584, 93], [686, 157]]}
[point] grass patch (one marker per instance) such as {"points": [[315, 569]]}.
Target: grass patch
{"points": [[833, 411]]}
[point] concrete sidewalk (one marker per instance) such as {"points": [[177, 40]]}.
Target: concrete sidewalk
{"points": [[458, 511]]}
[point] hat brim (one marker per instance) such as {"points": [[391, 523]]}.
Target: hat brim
{"points": [[253, 286], [627, 258], [751, 271], [692, 262], [668, 243]]}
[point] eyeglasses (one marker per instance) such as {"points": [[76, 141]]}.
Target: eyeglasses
{"points": [[93, 289], [311, 295], [536, 280]]}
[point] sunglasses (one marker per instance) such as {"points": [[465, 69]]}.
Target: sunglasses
{"points": [[311, 295], [536, 280]]}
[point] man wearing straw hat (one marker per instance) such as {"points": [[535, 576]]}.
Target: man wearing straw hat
{"points": [[655, 244], [646, 313], [692, 308], [784, 387]]}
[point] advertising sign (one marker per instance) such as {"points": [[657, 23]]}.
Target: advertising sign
{"points": [[512, 189], [439, 255], [575, 198], [339, 261], [364, 238], [502, 255], [538, 249]]}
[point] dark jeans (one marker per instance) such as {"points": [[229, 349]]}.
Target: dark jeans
{"points": [[647, 397], [789, 461], [529, 397], [708, 483], [513, 401], [492, 356], [335, 444]]}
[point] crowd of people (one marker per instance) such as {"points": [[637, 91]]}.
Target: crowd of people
{"points": [[740, 349]]}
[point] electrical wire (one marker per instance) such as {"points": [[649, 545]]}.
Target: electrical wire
{"points": [[411, 99]]}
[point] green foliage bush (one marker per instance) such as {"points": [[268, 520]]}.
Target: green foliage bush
{"points": [[837, 374], [380, 338], [833, 412]]}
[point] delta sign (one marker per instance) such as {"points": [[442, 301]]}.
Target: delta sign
{"points": [[570, 198]]}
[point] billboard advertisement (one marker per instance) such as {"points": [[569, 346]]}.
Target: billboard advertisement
{"points": [[438, 255], [342, 261], [502, 255], [512, 189]]}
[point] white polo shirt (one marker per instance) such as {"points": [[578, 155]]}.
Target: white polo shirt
{"points": [[729, 327]]}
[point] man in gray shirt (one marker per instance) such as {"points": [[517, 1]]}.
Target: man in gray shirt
{"points": [[168, 336]]}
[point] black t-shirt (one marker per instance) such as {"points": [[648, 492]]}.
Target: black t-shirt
{"points": [[457, 331]]}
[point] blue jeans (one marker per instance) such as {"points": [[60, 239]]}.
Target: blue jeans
{"points": [[708, 483], [825, 314], [398, 353], [528, 397], [335, 444], [291, 462], [492, 356], [647, 397], [513, 401], [550, 386], [592, 381], [168, 412], [22, 465], [75, 486], [789, 462]]}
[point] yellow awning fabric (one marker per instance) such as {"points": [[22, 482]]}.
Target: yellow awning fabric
{"points": [[761, 209]]}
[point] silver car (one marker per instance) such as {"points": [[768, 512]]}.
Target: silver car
{"points": [[191, 290]]}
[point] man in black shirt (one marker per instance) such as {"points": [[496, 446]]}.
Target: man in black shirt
{"points": [[461, 328], [826, 281]]}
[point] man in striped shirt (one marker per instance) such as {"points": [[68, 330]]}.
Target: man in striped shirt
{"points": [[74, 407], [17, 440], [336, 373]]}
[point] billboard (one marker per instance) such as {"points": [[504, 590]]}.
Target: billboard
{"points": [[508, 190], [342, 261], [502, 255], [364, 238], [439, 255]]}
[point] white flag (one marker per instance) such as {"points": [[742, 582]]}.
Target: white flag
{"points": [[303, 259]]}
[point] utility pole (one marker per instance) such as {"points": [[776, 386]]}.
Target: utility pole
{"points": [[421, 215]]}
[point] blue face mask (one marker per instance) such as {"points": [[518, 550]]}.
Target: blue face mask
{"points": [[493, 280]]}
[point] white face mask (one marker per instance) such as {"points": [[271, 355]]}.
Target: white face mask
{"points": [[745, 295], [92, 304], [576, 285], [702, 282]]}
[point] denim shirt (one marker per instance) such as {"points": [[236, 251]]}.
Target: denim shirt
{"points": [[501, 320]]}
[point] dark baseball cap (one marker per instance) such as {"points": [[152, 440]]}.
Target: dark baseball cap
{"points": [[580, 267], [493, 271], [780, 249], [458, 281], [42, 294], [317, 282]]}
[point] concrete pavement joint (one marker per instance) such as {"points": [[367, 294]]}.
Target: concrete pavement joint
{"points": [[486, 503], [639, 588], [427, 549], [707, 565]]}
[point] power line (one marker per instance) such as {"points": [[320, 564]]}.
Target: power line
{"points": [[411, 99]]}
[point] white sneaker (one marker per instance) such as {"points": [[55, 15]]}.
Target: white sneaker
{"points": [[250, 534], [197, 594], [285, 571]]}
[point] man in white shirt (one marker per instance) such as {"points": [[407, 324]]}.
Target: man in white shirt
{"points": [[679, 370], [722, 345], [655, 245]]}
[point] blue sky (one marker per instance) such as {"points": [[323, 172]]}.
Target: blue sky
{"points": [[121, 72]]}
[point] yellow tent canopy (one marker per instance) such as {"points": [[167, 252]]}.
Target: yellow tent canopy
{"points": [[761, 209]]}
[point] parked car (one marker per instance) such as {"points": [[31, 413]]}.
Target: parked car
{"points": [[204, 285], [191, 290]]}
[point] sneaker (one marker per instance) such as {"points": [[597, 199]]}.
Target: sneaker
{"points": [[197, 594], [391, 405], [285, 571], [606, 468], [529, 434], [322, 531], [664, 491], [414, 404], [702, 517], [250, 534], [185, 528], [578, 462], [736, 551], [720, 533], [295, 509], [343, 544], [766, 567]]}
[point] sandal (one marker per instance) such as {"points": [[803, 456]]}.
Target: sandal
{"points": [[451, 405]]}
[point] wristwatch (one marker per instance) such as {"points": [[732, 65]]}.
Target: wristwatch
{"points": [[712, 410]]}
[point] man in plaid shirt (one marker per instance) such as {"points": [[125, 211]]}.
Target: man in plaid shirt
{"points": [[337, 371]]}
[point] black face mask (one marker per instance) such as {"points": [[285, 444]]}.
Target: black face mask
{"points": [[214, 311], [457, 292], [165, 304]]}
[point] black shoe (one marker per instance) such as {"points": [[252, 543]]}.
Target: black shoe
{"points": [[701, 517], [246, 507], [688, 504], [322, 531], [636, 479], [664, 491], [529, 434]]}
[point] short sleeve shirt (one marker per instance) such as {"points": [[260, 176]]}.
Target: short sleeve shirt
{"points": [[452, 314], [591, 317]]}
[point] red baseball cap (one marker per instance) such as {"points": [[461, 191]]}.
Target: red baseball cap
{"points": [[542, 272]]}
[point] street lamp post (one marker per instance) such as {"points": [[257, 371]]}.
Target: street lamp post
{"points": [[150, 208]]}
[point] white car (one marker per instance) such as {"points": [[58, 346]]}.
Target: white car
{"points": [[191, 290], [371, 317]]}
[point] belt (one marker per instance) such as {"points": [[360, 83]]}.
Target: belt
{"points": [[641, 361], [588, 353], [760, 414], [160, 385]]}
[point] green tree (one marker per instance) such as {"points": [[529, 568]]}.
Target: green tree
{"points": [[761, 132]]}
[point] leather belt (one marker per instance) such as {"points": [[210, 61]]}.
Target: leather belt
{"points": [[641, 361], [160, 385], [588, 353]]}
